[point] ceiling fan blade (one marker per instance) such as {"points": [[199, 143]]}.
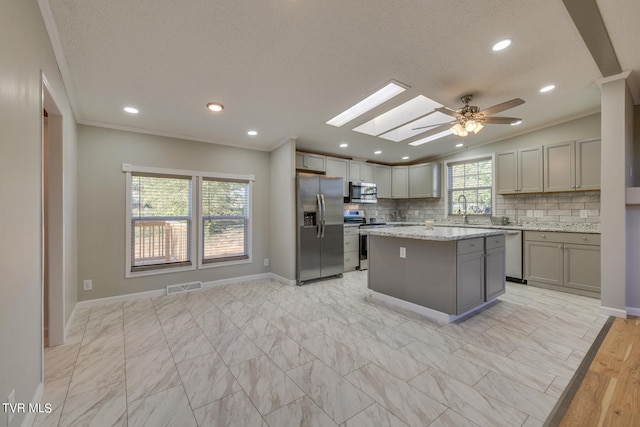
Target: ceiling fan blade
{"points": [[501, 107], [448, 112], [501, 120]]}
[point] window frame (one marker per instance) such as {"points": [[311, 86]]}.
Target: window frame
{"points": [[202, 264], [195, 248], [471, 159]]}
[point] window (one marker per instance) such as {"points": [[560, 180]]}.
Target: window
{"points": [[225, 220], [161, 233], [472, 179], [160, 221]]}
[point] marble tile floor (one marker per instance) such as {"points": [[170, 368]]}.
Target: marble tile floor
{"points": [[262, 353]]}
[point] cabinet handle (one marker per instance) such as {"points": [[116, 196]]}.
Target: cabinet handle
{"points": [[347, 243], [559, 246], [584, 238], [347, 259], [543, 236]]}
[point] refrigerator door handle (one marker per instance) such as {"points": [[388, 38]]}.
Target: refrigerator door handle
{"points": [[319, 217], [323, 221]]}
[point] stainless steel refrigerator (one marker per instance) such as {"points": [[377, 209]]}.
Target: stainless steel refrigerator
{"points": [[320, 223]]}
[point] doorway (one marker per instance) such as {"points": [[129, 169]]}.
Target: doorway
{"points": [[52, 220]]}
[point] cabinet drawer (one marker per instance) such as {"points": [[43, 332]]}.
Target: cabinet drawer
{"points": [[561, 237], [351, 230], [351, 259], [351, 242], [493, 242], [470, 245]]}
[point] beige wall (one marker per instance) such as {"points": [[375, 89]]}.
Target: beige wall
{"points": [[26, 52], [283, 199], [101, 204]]}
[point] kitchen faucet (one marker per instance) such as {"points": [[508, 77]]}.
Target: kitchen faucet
{"points": [[464, 217]]}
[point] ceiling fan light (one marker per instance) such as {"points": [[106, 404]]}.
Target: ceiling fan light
{"points": [[478, 128], [470, 125], [457, 129]]}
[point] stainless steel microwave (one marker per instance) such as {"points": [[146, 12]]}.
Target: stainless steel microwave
{"points": [[363, 192]]}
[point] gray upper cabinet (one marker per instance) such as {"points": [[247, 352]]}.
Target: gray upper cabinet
{"points": [[572, 166], [339, 167], [588, 164], [424, 180], [400, 182], [310, 162], [361, 171], [519, 171], [382, 177]]}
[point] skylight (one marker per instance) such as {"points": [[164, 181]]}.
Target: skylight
{"points": [[431, 138], [409, 130], [399, 116], [383, 94]]}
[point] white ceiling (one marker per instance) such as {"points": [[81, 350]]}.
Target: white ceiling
{"points": [[285, 67]]}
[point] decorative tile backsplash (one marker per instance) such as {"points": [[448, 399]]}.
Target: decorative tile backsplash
{"points": [[579, 207]]}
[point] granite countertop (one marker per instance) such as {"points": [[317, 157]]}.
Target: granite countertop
{"points": [[440, 234], [593, 228]]}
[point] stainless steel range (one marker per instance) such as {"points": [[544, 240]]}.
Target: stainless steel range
{"points": [[358, 216]]}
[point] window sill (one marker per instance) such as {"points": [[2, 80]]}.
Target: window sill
{"points": [[131, 274]]}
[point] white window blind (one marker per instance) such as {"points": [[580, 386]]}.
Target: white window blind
{"points": [[474, 180], [225, 220], [161, 213]]}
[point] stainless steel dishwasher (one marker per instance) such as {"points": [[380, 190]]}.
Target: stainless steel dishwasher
{"points": [[513, 247]]}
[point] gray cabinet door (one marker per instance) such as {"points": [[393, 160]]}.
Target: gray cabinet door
{"points": [[470, 281], [367, 173], [582, 267], [310, 162], [530, 170], [421, 180], [495, 275], [543, 262], [382, 177], [400, 182], [340, 168], [507, 172], [588, 164], [559, 166]]}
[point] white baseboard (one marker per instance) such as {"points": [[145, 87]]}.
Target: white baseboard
{"points": [[160, 292], [633, 311], [615, 312], [37, 398], [282, 279]]}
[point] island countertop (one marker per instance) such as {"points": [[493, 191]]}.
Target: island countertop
{"points": [[436, 233]]}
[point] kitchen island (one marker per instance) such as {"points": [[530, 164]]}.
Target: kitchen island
{"points": [[443, 273]]}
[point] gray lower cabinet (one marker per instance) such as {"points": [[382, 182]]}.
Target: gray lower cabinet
{"points": [[568, 262], [351, 248], [470, 280], [495, 267]]}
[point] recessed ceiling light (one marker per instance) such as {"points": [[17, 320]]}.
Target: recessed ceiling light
{"points": [[252, 133], [547, 88], [131, 110], [431, 138], [459, 145], [503, 44], [405, 158], [516, 123], [344, 145], [377, 152], [383, 94], [215, 106]]}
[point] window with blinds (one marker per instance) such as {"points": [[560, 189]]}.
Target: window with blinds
{"points": [[161, 208], [472, 179], [225, 220]]}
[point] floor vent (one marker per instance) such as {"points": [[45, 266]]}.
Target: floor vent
{"points": [[184, 287]]}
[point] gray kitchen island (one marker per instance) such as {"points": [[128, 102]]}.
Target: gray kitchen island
{"points": [[443, 273]]}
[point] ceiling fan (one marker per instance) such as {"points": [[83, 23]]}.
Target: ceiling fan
{"points": [[470, 119]]}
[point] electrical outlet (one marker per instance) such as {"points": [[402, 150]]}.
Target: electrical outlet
{"points": [[417, 212], [11, 400], [87, 285], [584, 213], [403, 252], [266, 262], [538, 214], [529, 213]]}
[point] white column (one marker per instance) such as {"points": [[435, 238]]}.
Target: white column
{"points": [[617, 136]]}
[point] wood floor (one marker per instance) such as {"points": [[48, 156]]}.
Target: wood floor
{"points": [[609, 394]]}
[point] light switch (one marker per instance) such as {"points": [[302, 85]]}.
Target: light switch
{"points": [[403, 252]]}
